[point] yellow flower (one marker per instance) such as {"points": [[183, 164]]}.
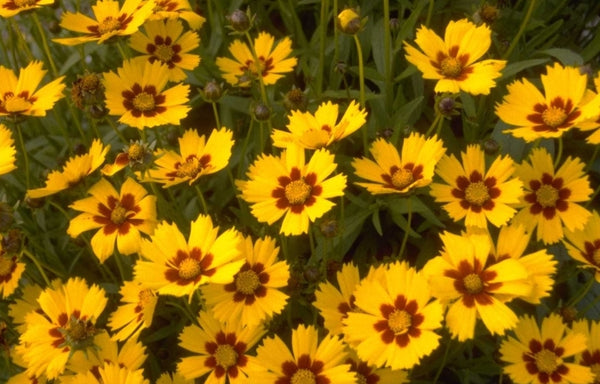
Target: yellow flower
{"points": [[548, 115], [590, 357], [110, 373], [392, 173], [198, 157], [453, 61], [111, 21], [173, 266], [120, 216], [135, 312], [551, 197], [7, 150], [11, 271], [136, 93], [395, 319], [369, 374], [176, 378], [73, 172], [594, 138], [542, 355], [138, 155], [272, 63], [584, 244], [18, 96], [173, 9], [286, 186], [321, 129], [167, 43], [472, 193], [463, 278], [9, 8], [27, 302]]}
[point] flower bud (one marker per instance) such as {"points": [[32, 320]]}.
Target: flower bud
{"points": [[261, 112], [212, 91], [491, 146], [295, 99], [349, 21], [239, 21]]}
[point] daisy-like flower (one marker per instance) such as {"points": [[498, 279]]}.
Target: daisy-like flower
{"points": [[334, 303], [320, 129], [590, 357], [174, 9], [176, 378], [7, 150], [392, 173], [11, 270], [64, 324], [463, 278], [111, 20], [395, 321], [111, 373], [136, 93], [219, 348], [167, 43], [287, 186], [173, 266], [254, 294], [135, 312], [541, 356], [551, 197], [27, 302], [9, 8], [584, 245], [453, 61], [19, 96], [309, 361], [472, 193], [120, 217], [547, 115], [273, 61], [369, 374], [73, 172], [197, 157]]}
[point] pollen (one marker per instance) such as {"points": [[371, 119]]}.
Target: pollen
{"points": [[451, 67], [144, 102], [135, 152], [402, 178], [226, 356], [164, 53], [190, 168], [303, 376], [399, 321], [246, 282], [554, 116], [297, 191], [546, 361], [118, 215], [78, 333], [108, 25], [189, 269], [473, 283], [547, 196], [477, 193], [6, 266]]}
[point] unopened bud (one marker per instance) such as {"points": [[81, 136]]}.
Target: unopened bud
{"points": [[239, 21]]}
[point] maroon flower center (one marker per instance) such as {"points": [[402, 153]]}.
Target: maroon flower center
{"points": [[263, 66], [164, 50], [544, 361], [110, 24], [143, 101], [188, 268], [190, 168], [249, 283], [296, 191], [451, 65], [475, 192], [118, 214], [547, 196], [400, 321], [473, 282], [401, 178], [560, 114], [305, 371], [226, 355]]}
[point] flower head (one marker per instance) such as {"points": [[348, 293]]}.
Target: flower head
{"points": [[287, 186], [590, 357], [118, 216], [453, 62], [551, 197], [19, 96], [111, 20], [110, 373], [584, 244], [7, 150], [9, 8], [477, 195], [548, 115], [11, 270], [135, 312], [392, 173], [136, 93], [348, 21], [273, 61], [321, 129]]}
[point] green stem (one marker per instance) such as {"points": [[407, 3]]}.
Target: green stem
{"points": [[433, 125], [361, 82], [116, 129], [216, 113], [387, 62], [22, 42], [405, 237], [336, 33], [444, 359], [242, 164], [201, 198], [429, 13], [45, 46], [323, 39], [25, 155], [122, 51], [559, 151], [37, 265], [124, 275], [515, 40], [582, 292], [590, 305], [590, 163]]}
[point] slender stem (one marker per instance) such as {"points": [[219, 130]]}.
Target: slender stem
{"points": [[114, 127], [216, 112], [25, 155], [244, 146], [433, 125], [559, 151], [40, 29], [37, 264], [201, 198], [590, 305], [406, 232], [22, 42], [590, 163], [361, 82], [582, 292], [593, 196], [444, 359], [323, 39], [122, 51], [429, 13], [336, 33], [515, 40], [387, 62], [121, 267]]}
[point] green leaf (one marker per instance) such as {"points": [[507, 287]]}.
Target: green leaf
{"points": [[514, 68], [377, 222], [565, 56]]}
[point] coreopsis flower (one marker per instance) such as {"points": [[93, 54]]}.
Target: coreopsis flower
{"points": [[65, 323], [7, 150], [135, 312], [11, 270], [369, 374], [273, 61], [472, 193], [219, 349], [120, 217], [453, 61], [138, 155], [309, 360], [27, 302], [174, 9], [136, 93], [171, 265], [9, 8], [463, 277], [197, 157], [395, 319], [543, 355], [176, 378], [111, 20], [594, 138], [395, 173], [166, 42], [111, 373], [287, 186], [548, 115], [19, 96], [254, 294], [334, 303], [551, 197], [73, 172], [322, 128], [583, 245], [590, 357]]}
